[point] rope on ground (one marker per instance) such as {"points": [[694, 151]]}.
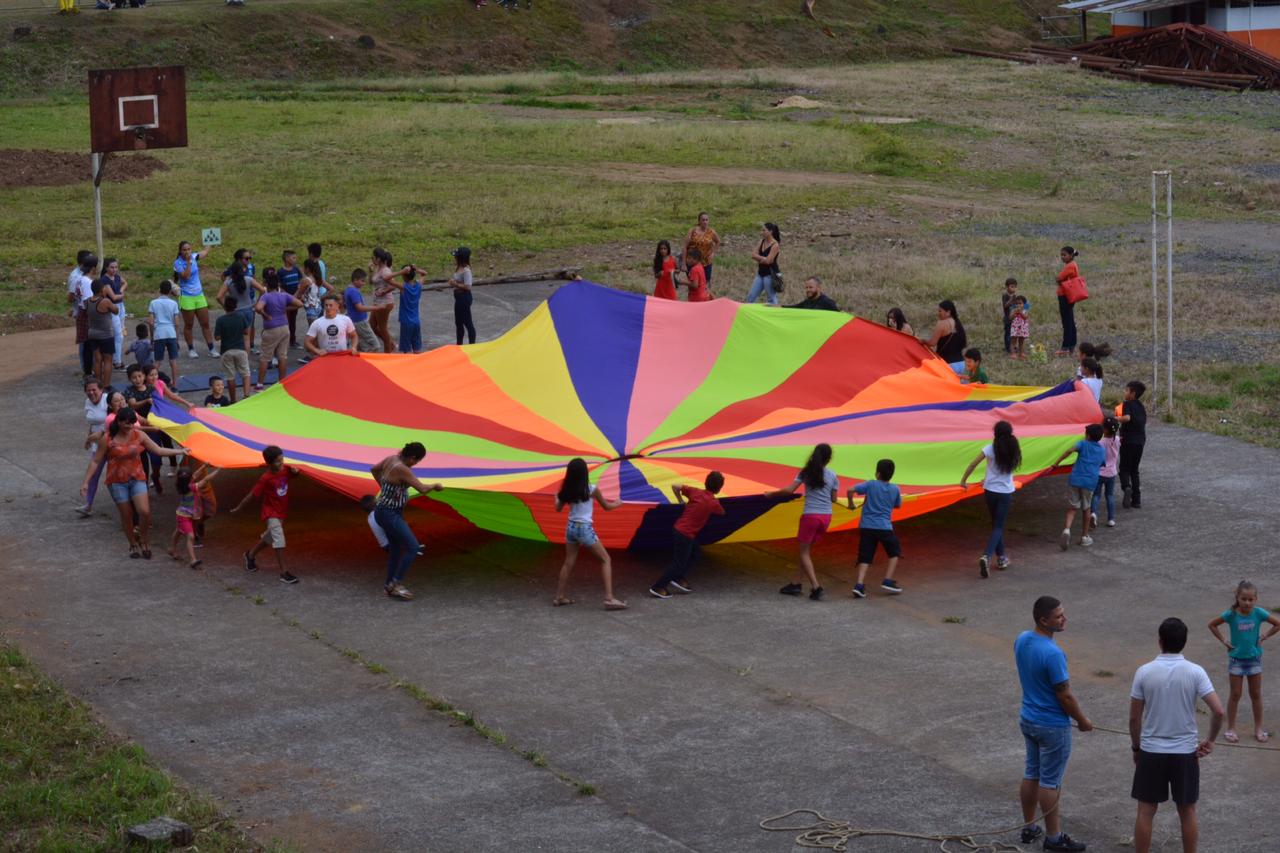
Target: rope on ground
{"points": [[829, 834], [1259, 746]]}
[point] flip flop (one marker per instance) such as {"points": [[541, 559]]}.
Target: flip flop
{"points": [[1262, 737], [614, 604], [195, 564], [146, 552], [561, 602], [134, 553], [1231, 737]]}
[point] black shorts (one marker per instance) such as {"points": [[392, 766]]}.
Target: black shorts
{"points": [[1158, 772], [869, 539], [106, 346]]}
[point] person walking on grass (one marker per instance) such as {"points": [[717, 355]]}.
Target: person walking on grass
{"points": [[699, 506], [1244, 654], [875, 526], [126, 480], [1165, 737], [1048, 707], [1003, 457], [766, 258], [461, 282], [821, 488], [394, 476], [272, 489], [577, 493], [1090, 457], [191, 299]]}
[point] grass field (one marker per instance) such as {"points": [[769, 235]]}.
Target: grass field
{"points": [[66, 784], [988, 170]]}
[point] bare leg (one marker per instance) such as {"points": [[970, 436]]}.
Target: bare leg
{"points": [[862, 571], [1255, 697], [891, 568], [279, 552], [126, 521], [188, 324], [1142, 827], [282, 367], [202, 314], [606, 569], [262, 370], [1027, 796], [806, 565], [1049, 806], [191, 548], [570, 557], [173, 544], [173, 371], [1071, 519], [1233, 700], [1190, 828], [142, 506]]}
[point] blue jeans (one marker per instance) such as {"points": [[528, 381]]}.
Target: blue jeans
{"points": [[1106, 486], [402, 545], [998, 504], [1048, 748], [762, 284], [410, 337]]}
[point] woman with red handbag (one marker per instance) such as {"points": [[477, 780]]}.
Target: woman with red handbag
{"points": [[1069, 286]]}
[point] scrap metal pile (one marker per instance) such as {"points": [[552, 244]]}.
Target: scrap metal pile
{"points": [[1184, 54]]}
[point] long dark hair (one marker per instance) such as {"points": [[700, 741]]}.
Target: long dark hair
{"points": [[899, 319], [271, 278], [383, 256], [773, 229], [950, 307], [1005, 450], [1097, 352], [182, 482], [123, 417], [658, 256], [576, 487], [813, 474]]}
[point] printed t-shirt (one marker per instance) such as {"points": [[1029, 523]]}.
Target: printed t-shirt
{"points": [[1089, 458], [995, 480], [212, 402], [698, 284], [702, 246], [191, 286], [165, 310], [1134, 433], [144, 395], [274, 305], [289, 279], [409, 297], [332, 335], [882, 499], [229, 330], [352, 297], [124, 461], [818, 501], [1245, 632], [273, 488], [1041, 665], [700, 507], [1169, 687]]}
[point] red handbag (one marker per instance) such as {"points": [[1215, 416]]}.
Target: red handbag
{"points": [[1075, 290]]}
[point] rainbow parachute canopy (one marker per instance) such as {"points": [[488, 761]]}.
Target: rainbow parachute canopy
{"points": [[651, 393]]}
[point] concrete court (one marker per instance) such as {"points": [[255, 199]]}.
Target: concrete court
{"points": [[693, 718]]}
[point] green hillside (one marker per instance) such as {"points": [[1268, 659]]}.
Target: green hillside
{"points": [[321, 39]]}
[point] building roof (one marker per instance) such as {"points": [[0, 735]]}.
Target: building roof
{"points": [[1120, 5]]}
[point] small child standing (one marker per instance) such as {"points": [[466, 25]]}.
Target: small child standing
{"points": [[1019, 326], [140, 349], [698, 290], [875, 527], [1107, 473], [973, 371], [410, 319], [1007, 298], [1082, 482], [189, 510], [273, 489], [1090, 377], [1133, 438], [577, 493], [1244, 655], [217, 396], [700, 506]]}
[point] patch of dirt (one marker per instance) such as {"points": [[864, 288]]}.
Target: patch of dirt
{"points": [[798, 102], [23, 167]]}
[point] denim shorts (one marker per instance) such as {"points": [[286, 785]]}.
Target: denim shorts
{"points": [[1244, 666], [122, 493], [580, 533], [161, 346], [1048, 748]]}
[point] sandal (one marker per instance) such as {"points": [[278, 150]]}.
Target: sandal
{"points": [[614, 604], [134, 553], [1231, 736], [561, 602], [1262, 737], [196, 564], [146, 552]]}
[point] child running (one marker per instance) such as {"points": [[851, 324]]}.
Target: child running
{"points": [[202, 479], [1244, 654], [700, 506], [189, 510], [821, 488], [273, 488], [1003, 457], [1083, 480], [1107, 473], [875, 527], [577, 493]]}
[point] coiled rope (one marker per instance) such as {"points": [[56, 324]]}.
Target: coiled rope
{"points": [[828, 834]]}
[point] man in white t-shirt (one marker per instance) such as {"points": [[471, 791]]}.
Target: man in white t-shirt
{"points": [[333, 332], [80, 288], [1165, 737]]}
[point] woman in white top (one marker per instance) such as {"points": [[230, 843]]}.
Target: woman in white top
{"points": [[577, 493], [1003, 456], [95, 416]]}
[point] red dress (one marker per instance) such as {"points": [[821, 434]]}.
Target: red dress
{"points": [[665, 287], [698, 291]]}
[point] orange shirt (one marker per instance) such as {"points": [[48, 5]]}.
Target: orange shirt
{"points": [[698, 284], [1067, 273], [665, 287]]}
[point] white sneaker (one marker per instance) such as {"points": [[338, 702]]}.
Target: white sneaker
{"points": [[1086, 541], [1111, 522], [1093, 519], [213, 353], [191, 353], [1065, 542]]}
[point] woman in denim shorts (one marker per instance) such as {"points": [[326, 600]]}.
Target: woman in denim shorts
{"points": [[577, 493]]}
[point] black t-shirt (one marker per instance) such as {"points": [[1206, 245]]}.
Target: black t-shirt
{"points": [[212, 402], [131, 394], [821, 302], [1135, 431]]}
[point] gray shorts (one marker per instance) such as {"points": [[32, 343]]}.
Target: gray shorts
{"points": [[274, 534], [1078, 498], [368, 340]]}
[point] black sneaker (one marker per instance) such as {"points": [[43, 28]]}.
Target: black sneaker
{"points": [[817, 594], [792, 589], [859, 590], [250, 564], [1031, 833], [1135, 504], [1065, 843], [289, 578], [890, 586], [659, 593], [984, 566]]}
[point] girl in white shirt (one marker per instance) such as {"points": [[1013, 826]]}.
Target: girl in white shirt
{"points": [[577, 493], [1003, 456]]}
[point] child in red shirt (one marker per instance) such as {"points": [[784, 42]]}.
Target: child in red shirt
{"points": [[273, 488], [698, 291], [701, 505]]}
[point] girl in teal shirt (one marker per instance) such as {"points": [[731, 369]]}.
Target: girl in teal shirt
{"points": [[1244, 654]]}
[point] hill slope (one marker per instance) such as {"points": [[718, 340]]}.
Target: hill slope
{"points": [[284, 39]]}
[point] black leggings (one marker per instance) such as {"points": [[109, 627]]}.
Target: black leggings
{"points": [[1068, 312], [1130, 481], [462, 317]]}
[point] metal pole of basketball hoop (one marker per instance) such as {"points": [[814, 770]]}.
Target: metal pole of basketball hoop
{"points": [[99, 162], [1155, 279]]}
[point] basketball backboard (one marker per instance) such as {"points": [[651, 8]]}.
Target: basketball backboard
{"points": [[132, 109]]}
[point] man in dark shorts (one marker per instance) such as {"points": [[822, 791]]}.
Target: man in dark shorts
{"points": [[1166, 740]]}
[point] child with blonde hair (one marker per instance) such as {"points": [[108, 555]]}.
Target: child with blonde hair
{"points": [[1244, 654]]}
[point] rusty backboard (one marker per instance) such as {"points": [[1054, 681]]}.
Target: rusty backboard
{"points": [[132, 109]]}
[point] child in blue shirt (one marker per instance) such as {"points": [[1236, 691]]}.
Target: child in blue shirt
{"points": [[1090, 456], [875, 527], [410, 320]]}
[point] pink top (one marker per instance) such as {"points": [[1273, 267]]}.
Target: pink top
{"points": [[1112, 447]]}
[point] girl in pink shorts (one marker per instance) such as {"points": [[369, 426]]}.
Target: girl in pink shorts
{"points": [[821, 486]]}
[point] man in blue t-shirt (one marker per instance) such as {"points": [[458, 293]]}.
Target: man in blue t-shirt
{"points": [[1048, 707], [290, 278], [875, 526], [1090, 457]]}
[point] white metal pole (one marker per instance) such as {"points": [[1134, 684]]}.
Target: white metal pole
{"points": [[1168, 277], [97, 200], [1155, 304]]}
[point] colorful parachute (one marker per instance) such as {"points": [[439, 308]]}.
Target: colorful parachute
{"points": [[651, 393]]}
